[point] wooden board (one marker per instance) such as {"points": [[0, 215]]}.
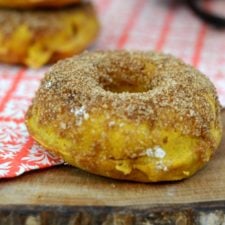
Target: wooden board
{"points": [[70, 196]]}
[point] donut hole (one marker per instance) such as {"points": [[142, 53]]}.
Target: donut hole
{"points": [[126, 74]]}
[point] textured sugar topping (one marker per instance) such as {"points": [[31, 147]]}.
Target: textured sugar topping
{"points": [[139, 86], [42, 20], [80, 114]]}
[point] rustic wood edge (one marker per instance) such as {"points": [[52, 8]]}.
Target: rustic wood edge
{"points": [[204, 213]]}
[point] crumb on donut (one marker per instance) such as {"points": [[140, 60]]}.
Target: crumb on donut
{"points": [[112, 123], [156, 152], [63, 125], [161, 166], [80, 114]]}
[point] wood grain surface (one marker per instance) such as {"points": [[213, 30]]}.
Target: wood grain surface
{"points": [[72, 190]]}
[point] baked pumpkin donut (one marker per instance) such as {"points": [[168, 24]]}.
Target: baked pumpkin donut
{"points": [[34, 38], [140, 116], [36, 3]]}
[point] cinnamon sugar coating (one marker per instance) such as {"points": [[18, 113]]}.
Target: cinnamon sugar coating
{"points": [[42, 20], [172, 86]]}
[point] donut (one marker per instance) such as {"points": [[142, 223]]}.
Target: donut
{"points": [[35, 38], [130, 115], [36, 3]]}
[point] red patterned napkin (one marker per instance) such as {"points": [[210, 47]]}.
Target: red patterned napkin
{"points": [[133, 24]]}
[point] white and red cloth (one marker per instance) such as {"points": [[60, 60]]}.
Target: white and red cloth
{"points": [[132, 24]]}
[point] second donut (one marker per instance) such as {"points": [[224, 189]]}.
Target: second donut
{"points": [[34, 38]]}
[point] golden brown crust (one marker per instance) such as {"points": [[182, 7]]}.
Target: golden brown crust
{"points": [[140, 116], [45, 33], [24, 4]]}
